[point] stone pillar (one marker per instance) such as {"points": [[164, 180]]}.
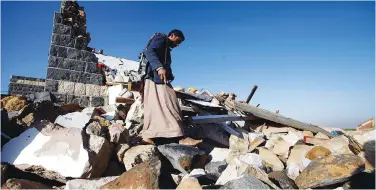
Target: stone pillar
{"points": [[72, 73]]}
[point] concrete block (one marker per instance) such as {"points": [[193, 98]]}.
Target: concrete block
{"points": [[96, 101], [91, 78], [62, 29], [93, 90], [73, 65], [91, 67], [63, 74], [79, 89], [54, 61], [73, 53], [65, 87], [80, 100], [51, 85]]}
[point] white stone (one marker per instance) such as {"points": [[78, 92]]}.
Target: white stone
{"points": [[136, 112], [219, 154], [198, 172], [271, 159], [120, 151], [88, 184], [297, 156], [93, 90], [79, 89], [230, 173], [252, 159], [321, 135], [280, 147], [292, 171], [74, 119], [65, 87], [338, 145], [61, 151], [254, 135], [292, 137]]}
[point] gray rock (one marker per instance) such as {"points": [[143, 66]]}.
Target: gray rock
{"points": [[88, 184], [42, 96], [94, 128], [245, 182], [214, 169], [182, 157], [138, 154], [280, 178]]}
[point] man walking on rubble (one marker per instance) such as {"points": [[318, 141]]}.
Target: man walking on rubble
{"points": [[162, 114]]}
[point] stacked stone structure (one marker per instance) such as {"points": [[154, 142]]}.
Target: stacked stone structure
{"points": [[20, 85], [72, 73]]}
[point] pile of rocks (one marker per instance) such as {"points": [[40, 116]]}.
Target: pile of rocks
{"points": [[73, 147]]}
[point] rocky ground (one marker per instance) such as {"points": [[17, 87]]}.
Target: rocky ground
{"points": [[49, 146]]}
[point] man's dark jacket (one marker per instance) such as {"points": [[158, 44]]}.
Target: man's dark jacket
{"points": [[158, 55]]}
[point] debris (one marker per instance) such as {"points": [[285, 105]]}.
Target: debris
{"points": [[245, 182], [368, 125], [88, 184], [297, 156], [270, 159], [189, 183], [329, 170], [13, 103], [281, 178], [181, 157], [118, 134], [23, 184], [138, 154], [214, 169], [120, 151], [230, 173]]}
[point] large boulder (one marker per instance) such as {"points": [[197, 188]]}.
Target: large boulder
{"points": [[182, 157], [78, 154], [147, 175], [329, 170]]}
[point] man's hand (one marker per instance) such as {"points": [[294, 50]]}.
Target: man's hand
{"points": [[162, 74]]}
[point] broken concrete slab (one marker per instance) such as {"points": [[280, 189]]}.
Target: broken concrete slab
{"points": [[138, 154], [293, 137], [88, 184], [321, 136], [255, 143], [73, 120], [252, 159], [329, 170], [64, 146], [279, 147]]}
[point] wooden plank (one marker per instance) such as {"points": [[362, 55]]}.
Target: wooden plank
{"points": [[278, 118]]}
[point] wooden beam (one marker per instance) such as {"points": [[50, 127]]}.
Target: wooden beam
{"points": [[251, 94], [278, 118]]}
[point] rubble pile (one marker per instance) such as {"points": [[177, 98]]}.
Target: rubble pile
{"points": [[237, 146]]}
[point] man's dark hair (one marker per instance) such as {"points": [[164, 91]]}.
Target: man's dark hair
{"points": [[177, 33]]}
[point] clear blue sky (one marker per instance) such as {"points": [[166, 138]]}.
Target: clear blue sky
{"points": [[315, 61]]}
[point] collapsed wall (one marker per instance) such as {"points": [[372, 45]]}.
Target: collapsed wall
{"points": [[72, 73]]}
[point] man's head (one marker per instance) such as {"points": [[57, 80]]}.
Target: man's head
{"points": [[175, 38]]}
